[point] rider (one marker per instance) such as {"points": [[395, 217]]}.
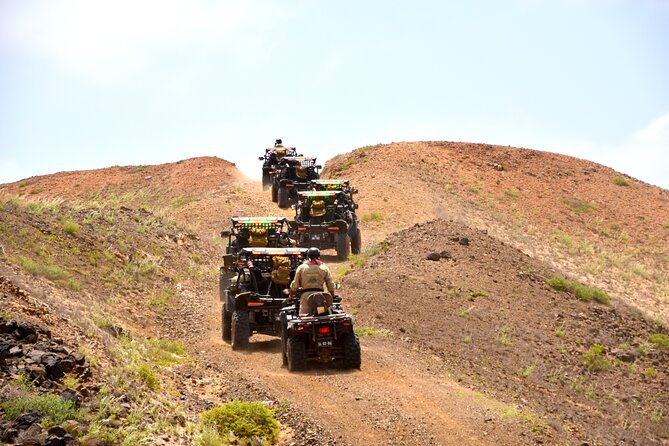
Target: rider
{"points": [[310, 276]]}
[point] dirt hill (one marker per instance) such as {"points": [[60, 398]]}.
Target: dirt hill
{"points": [[472, 347], [597, 225]]}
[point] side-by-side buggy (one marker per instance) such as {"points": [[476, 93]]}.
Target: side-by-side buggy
{"points": [[294, 174], [326, 220], [256, 292]]}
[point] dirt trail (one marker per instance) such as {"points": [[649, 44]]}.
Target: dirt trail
{"points": [[400, 396]]}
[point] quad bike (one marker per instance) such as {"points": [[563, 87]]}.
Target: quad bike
{"points": [[294, 174], [326, 220], [325, 336], [271, 159], [256, 292]]}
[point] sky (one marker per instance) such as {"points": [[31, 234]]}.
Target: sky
{"points": [[90, 83]]}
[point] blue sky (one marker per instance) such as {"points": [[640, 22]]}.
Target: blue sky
{"points": [[87, 84]]}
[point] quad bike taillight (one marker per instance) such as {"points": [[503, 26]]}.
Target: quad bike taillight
{"points": [[324, 330]]}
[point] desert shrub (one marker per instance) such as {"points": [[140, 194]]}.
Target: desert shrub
{"points": [[71, 228], [560, 332], [581, 292], [53, 408], [512, 193], [559, 283], [371, 331], [164, 352], [580, 206], [620, 181], [244, 420], [595, 359], [525, 372], [49, 270], [660, 340], [147, 375], [585, 293], [372, 216]]}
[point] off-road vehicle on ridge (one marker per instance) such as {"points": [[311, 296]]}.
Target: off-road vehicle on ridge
{"points": [[256, 292], [324, 336], [293, 175], [271, 159], [326, 220]]}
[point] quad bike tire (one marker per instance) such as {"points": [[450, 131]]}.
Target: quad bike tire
{"points": [[283, 197], [297, 354], [275, 192], [226, 325], [352, 357], [284, 350], [240, 330], [266, 181], [222, 284], [356, 242], [342, 245]]}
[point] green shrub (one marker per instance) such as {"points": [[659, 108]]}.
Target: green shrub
{"points": [[52, 272], [164, 352], [559, 283], [371, 331], [512, 193], [71, 228], [620, 181], [525, 372], [244, 420], [372, 216], [148, 376], [581, 292], [595, 358], [585, 293], [660, 340], [477, 293], [53, 408], [580, 206], [560, 332]]}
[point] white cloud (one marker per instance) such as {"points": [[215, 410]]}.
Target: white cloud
{"points": [[108, 41], [9, 171], [656, 131], [643, 155]]}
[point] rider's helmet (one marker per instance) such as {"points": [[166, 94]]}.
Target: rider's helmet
{"points": [[277, 143], [313, 253]]}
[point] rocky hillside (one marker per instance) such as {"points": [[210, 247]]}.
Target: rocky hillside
{"points": [[600, 226], [497, 300], [591, 369]]}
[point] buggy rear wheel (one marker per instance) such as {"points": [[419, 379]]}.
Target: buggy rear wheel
{"points": [[342, 245], [356, 242], [275, 193], [352, 359], [283, 197], [297, 354], [240, 332], [226, 324]]}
